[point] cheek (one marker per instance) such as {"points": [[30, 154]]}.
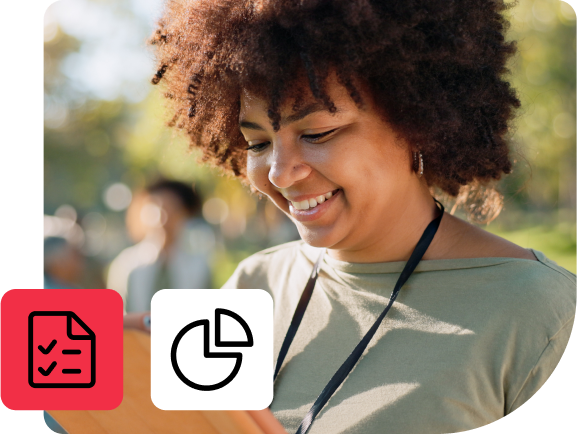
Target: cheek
{"points": [[362, 161], [373, 174], [257, 173]]}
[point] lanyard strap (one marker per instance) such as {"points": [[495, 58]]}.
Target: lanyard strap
{"points": [[299, 313], [353, 358]]}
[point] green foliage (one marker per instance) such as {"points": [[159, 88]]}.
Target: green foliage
{"points": [[543, 73]]}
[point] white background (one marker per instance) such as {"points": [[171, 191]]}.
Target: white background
{"points": [[172, 310]]}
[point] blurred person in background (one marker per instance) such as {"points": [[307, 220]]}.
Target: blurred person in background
{"points": [[64, 265], [174, 245]]}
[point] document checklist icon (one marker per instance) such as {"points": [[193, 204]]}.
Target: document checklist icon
{"points": [[61, 351]]}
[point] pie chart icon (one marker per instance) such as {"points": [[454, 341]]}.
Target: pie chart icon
{"points": [[204, 325]]}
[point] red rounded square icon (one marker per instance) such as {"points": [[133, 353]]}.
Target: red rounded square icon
{"points": [[61, 349]]}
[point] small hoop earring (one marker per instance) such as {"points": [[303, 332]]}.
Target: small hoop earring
{"points": [[421, 166], [418, 165]]}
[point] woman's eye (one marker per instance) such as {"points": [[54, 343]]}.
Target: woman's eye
{"points": [[316, 137], [257, 147], [313, 138]]}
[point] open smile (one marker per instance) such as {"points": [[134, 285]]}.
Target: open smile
{"points": [[313, 208]]}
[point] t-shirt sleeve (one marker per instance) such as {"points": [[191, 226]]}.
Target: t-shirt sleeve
{"points": [[545, 365]]}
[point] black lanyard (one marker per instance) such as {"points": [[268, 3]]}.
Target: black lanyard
{"points": [[353, 358]]}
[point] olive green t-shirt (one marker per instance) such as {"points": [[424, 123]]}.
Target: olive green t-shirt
{"points": [[466, 342]]}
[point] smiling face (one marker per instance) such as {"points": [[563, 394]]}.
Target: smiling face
{"points": [[344, 178]]}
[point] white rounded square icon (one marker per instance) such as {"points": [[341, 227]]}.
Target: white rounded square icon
{"points": [[212, 349]]}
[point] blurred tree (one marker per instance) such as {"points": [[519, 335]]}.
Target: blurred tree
{"points": [[83, 137], [91, 143], [543, 73]]}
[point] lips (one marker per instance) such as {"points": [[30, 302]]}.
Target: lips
{"points": [[303, 211]]}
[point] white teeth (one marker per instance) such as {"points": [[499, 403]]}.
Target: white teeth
{"points": [[311, 203]]}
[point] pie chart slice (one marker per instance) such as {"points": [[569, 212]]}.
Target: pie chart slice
{"points": [[247, 341]]}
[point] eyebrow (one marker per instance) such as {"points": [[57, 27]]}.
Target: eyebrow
{"points": [[300, 114]]}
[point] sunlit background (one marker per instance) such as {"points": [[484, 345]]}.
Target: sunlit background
{"points": [[105, 140]]}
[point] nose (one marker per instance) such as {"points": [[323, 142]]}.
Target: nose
{"points": [[287, 166]]}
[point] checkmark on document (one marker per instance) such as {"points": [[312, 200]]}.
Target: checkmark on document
{"points": [[69, 359], [47, 371], [48, 348]]}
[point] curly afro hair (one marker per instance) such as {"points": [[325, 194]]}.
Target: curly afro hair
{"points": [[436, 68]]}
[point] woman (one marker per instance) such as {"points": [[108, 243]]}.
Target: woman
{"points": [[347, 115]]}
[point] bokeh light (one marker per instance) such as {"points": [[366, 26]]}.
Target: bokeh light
{"points": [[117, 197], [66, 212], [564, 125], [215, 210]]}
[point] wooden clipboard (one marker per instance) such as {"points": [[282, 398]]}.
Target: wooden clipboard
{"points": [[138, 414]]}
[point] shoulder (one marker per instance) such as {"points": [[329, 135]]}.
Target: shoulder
{"points": [[518, 284], [143, 255], [459, 239], [531, 298], [542, 283], [272, 262]]}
